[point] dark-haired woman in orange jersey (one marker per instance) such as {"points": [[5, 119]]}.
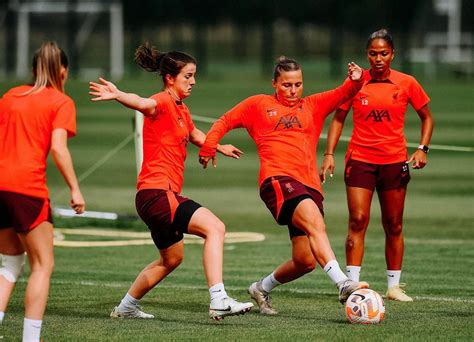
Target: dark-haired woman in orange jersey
{"points": [[167, 129], [286, 128], [377, 156], [34, 120]]}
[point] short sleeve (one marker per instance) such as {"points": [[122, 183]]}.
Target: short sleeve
{"points": [[417, 96], [66, 117], [160, 104]]}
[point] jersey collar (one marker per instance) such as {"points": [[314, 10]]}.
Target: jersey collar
{"points": [[389, 79]]}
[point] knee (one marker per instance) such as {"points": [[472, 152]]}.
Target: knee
{"points": [[393, 227], [358, 223], [45, 266], [217, 229], [305, 264], [174, 261], [12, 266]]}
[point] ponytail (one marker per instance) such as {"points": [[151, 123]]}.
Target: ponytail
{"points": [[164, 63], [148, 58], [47, 63]]}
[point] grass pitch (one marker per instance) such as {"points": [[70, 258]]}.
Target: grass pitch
{"points": [[438, 228]]}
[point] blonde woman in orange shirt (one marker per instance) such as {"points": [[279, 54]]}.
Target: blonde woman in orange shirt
{"points": [[34, 120]]}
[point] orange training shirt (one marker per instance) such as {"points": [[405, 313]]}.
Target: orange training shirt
{"points": [[286, 137], [379, 116], [165, 137], [26, 125]]}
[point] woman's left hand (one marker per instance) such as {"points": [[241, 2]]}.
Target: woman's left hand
{"points": [[419, 159], [354, 71], [229, 151]]}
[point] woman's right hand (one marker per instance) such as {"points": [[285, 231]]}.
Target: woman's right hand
{"points": [[103, 91], [77, 201], [328, 164]]}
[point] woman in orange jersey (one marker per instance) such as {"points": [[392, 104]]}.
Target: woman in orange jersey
{"points": [[286, 128], [167, 130], [34, 120], [377, 156]]}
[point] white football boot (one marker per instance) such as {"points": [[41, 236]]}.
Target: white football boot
{"points": [[397, 293], [227, 306], [346, 287], [262, 298], [135, 313]]}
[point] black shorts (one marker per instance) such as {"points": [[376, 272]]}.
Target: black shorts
{"points": [[23, 212], [282, 194], [166, 213], [382, 177]]}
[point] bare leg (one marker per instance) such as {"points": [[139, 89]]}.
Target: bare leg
{"points": [[10, 244], [392, 203], [206, 225], [358, 201], [302, 261], [151, 275], [38, 244], [308, 218]]}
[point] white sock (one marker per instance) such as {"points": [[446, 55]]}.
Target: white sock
{"points": [[269, 282], [128, 303], [353, 272], [217, 291], [2, 314], [31, 330], [393, 278], [334, 272]]}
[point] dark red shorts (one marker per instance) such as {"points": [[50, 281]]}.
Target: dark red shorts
{"points": [[23, 212], [282, 194], [382, 177], [166, 213]]}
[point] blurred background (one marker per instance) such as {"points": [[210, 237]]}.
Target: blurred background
{"points": [[433, 38], [236, 44]]}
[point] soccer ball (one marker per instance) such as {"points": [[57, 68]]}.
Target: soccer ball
{"points": [[365, 306]]}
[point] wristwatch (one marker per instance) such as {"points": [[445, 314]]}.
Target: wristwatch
{"points": [[424, 148]]}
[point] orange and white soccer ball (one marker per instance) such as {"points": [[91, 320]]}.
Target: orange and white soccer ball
{"points": [[365, 306]]}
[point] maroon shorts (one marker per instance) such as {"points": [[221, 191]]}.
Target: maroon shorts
{"points": [[23, 212], [282, 194], [166, 213], [382, 177]]}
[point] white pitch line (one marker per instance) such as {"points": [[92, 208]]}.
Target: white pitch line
{"points": [[236, 288]]}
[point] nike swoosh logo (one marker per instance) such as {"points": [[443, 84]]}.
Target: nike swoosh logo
{"points": [[228, 309], [391, 276], [216, 291], [329, 269]]}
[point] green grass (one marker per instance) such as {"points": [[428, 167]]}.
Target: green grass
{"points": [[89, 282]]}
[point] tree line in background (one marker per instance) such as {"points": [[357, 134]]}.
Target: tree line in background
{"points": [[404, 18], [401, 17]]}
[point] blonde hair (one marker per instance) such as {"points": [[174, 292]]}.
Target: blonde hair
{"points": [[47, 63]]}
